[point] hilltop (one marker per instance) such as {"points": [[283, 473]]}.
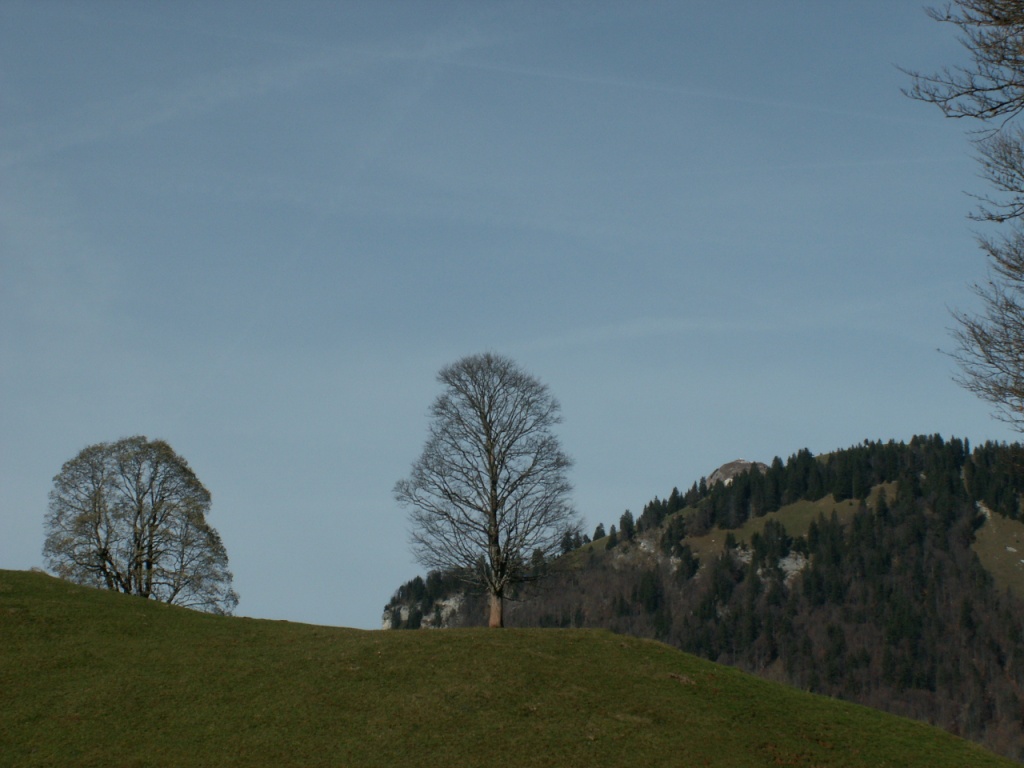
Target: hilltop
{"points": [[95, 678], [889, 574]]}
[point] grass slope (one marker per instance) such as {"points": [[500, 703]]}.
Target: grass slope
{"points": [[95, 678], [999, 544], [796, 518]]}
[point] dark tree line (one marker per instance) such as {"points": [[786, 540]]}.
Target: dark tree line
{"points": [[992, 474], [846, 474]]}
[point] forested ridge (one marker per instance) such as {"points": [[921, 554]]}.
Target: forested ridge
{"points": [[854, 574]]}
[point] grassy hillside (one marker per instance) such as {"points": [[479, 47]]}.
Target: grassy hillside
{"points": [[796, 517], [95, 678], [999, 544]]}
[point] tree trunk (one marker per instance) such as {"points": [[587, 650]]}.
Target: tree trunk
{"points": [[497, 620]]}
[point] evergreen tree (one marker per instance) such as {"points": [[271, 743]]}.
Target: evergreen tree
{"points": [[627, 528]]}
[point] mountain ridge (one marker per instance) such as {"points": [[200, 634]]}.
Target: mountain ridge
{"points": [[729, 470]]}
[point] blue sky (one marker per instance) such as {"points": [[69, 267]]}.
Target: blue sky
{"points": [[257, 231]]}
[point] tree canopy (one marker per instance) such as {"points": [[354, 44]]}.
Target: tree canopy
{"points": [[131, 516], [490, 493]]}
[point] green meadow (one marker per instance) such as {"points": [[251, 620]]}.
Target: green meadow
{"points": [[93, 678]]}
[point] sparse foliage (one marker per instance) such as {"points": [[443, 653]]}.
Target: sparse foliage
{"points": [[990, 89], [489, 494], [992, 86], [131, 516], [990, 348]]}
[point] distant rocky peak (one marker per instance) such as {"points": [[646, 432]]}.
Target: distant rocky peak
{"points": [[727, 472]]}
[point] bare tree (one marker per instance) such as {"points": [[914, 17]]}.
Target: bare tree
{"points": [[990, 350], [992, 86], [131, 516], [489, 491], [990, 344]]}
